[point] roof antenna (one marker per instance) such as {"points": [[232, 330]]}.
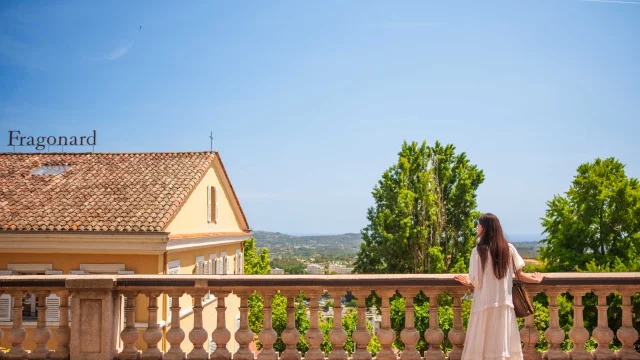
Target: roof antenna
{"points": [[211, 137]]}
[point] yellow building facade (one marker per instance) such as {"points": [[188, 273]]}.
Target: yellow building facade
{"points": [[119, 214]]}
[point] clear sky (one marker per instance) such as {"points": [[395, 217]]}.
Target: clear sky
{"points": [[309, 101]]}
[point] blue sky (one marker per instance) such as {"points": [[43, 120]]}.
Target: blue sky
{"points": [[309, 102]]}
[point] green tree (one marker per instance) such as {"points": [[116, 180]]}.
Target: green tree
{"points": [[255, 262], [349, 323], [423, 216], [596, 223]]}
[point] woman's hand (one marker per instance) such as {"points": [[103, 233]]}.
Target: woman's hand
{"points": [[536, 277], [463, 279]]}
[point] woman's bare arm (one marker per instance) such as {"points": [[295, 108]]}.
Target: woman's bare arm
{"points": [[533, 278]]}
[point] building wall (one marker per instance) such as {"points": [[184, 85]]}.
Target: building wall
{"points": [[192, 217]]}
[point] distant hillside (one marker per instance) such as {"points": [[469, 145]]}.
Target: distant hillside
{"points": [[343, 247]]}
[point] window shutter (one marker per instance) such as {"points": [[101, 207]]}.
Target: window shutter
{"points": [[70, 307], [5, 307], [221, 264], [241, 263], [124, 311], [215, 198], [237, 328], [212, 347], [53, 308], [227, 268], [209, 203], [173, 269]]}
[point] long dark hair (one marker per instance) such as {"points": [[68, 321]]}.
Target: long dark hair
{"points": [[492, 240]]}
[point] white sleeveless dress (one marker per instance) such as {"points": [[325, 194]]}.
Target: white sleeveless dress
{"points": [[492, 333]]}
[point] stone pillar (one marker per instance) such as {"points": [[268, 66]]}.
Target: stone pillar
{"points": [[41, 334], [221, 334], [434, 335], [554, 334], [578, 334], [63, 332], [314, 335], [244, 335], [627, 334], [130, 333], [152, 335], [530, 336], [602, 334], [457, 333], [337, 335], [291, 335], [268, 335], [386, 336], [361, 335], [18, 334], [175, 335], [409, 335], [92, 311], [198, 335]]}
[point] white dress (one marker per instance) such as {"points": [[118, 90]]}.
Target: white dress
{"points": [[492, 333]]}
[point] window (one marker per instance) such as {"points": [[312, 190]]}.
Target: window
{"points": [[30, 302], [224, 260], [111, 269], [199, 265], [237, 328], [239, 261], [50, 170], [212, 204], [173, 268]]}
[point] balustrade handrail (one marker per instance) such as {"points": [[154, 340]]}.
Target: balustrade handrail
{"points": [[122, 282]]}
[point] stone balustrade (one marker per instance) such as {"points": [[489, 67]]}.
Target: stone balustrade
{"points": [[93, 332]]}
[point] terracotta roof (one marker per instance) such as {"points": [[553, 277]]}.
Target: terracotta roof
{"points": [[136, 192]]}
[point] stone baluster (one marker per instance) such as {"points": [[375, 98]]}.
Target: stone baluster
{"points": [[578, 334], [198, 335], [314, 335], [268, 335], [529, 334], [152, 335], [1, 336], [361, 335], [244, 335], [554, 333], [602, 334], [41, 334], [130, 334], [409, 335], [291, 335], [627, 334], [457, 333], [433, 335], [175, 335], [17, 335], [221, 334], [337, 335], [386, 336], [63, 332]]}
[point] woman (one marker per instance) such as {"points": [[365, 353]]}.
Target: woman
{"points": [[493, 332]]}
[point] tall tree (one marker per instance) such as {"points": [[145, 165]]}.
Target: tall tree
{"points": [[422, 221], [597, 223]]}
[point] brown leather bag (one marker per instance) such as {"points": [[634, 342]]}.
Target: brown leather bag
{"points": [[521, 303]]}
